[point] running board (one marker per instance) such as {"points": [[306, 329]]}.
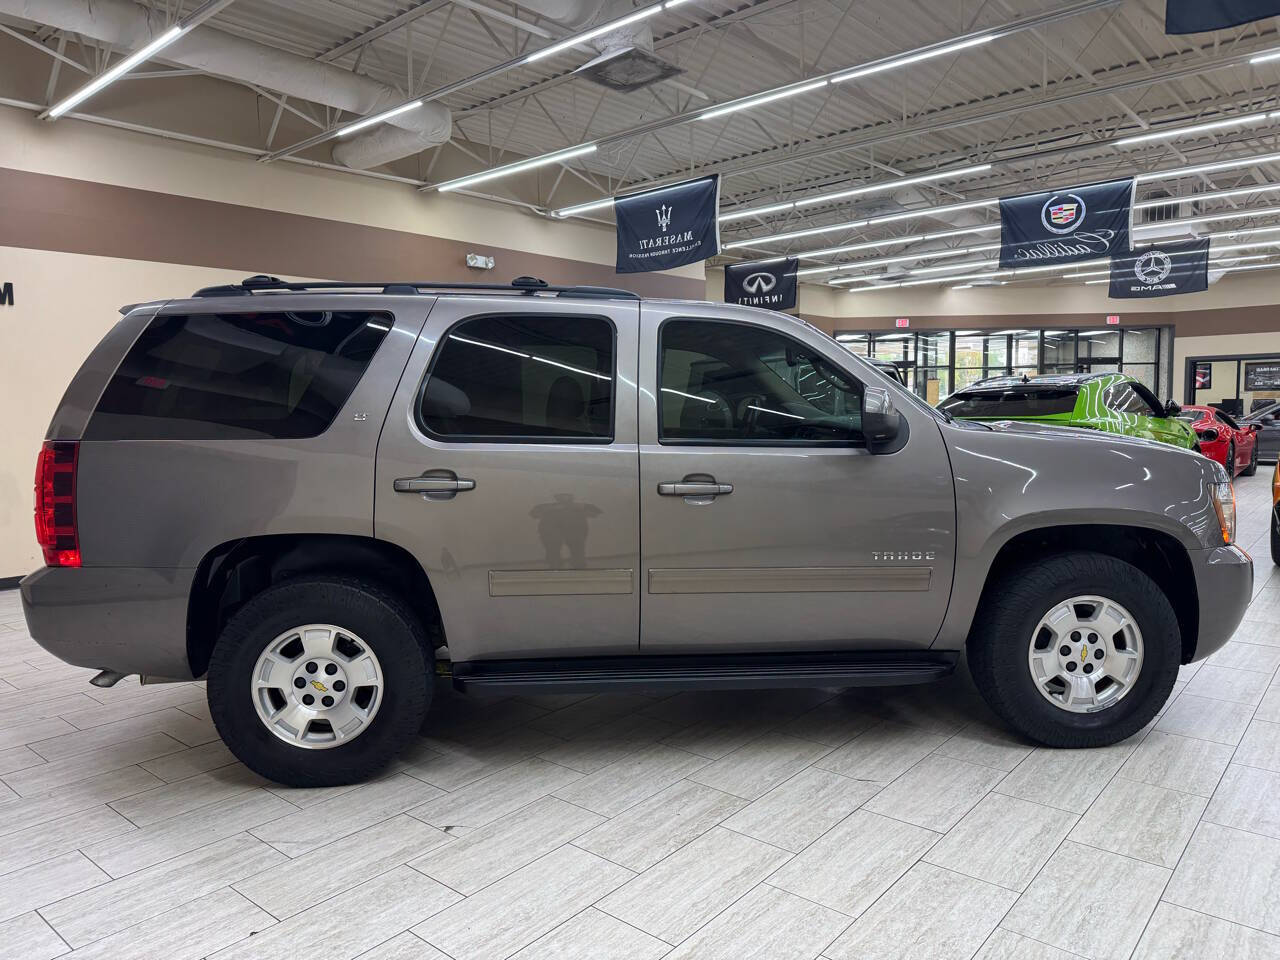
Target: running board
{"points": [[703, 672]]}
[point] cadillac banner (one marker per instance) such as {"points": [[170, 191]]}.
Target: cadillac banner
{"points": [[1161, 270], [765, 283], [1082, 223], [1200, 16], [668, 227]]}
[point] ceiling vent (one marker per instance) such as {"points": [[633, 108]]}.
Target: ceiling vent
{"points": [[627, 69]]}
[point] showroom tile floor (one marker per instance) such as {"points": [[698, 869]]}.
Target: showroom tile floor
{"points": [[788, 825]]}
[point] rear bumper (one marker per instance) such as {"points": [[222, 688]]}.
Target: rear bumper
{"points": [[1224, 585], [130, 619]]}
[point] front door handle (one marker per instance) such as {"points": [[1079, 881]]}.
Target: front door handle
{"points": [[695, 488], [434, 484]]}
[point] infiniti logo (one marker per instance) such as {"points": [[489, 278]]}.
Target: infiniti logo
{"points": [[759, 283]]}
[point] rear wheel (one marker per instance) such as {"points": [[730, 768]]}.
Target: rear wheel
{"points": [[1252, 468], [1078, 650], [1275, 536], [320, 681]]}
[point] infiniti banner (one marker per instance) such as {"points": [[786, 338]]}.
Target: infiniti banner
{"points": [[1200, 16], [1161, 270], [668, 227], [1082, 223], [765, 283]]}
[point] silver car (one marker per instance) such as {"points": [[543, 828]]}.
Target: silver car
{"points": [[321, 496]]}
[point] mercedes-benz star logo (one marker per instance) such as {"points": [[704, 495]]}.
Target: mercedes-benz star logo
{"points": [[759, 283], [664, 217], [1153, 267]]}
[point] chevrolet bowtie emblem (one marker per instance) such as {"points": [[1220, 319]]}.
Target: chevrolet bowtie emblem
{"points": [[1084, 655], [319, 686]]}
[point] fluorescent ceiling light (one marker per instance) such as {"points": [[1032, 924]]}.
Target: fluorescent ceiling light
{"points": [[1213, 195], [1266, 57], [895, 62], [1089, 283], [379, 118], [597, 31], [852, 224], [1210, 218], [964, 286], [1207, 167], [582, 208], [908, 258], [763, 98], [118, 71], [511, 168], [1169, 133]]}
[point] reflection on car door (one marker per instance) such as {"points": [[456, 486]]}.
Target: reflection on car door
{"points": [[508, 467], [765, 524]]}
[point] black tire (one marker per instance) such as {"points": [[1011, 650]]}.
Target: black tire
{"points": [[1275, 536], [998, 647], [1231, 460], [1252, 468], [381, 619]]}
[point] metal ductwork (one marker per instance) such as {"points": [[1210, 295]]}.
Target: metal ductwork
{"points": [[128, 26]]}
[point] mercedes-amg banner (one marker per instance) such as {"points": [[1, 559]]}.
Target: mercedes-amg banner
{"points": [[1200, 16], [668, 227], [1082, 223], [765, 283], [1161, 270]]}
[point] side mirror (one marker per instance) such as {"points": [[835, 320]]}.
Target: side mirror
{"points": [[1269, 419], [882, 424], [1172, 408]]}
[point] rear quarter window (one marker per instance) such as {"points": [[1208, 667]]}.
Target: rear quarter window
{"points": [[1012, 403], [232, 376]]}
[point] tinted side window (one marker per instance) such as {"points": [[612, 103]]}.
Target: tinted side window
{"points": [[1125, 399], [522, 377], [226, 376], [733, 383], [1014, 402]]}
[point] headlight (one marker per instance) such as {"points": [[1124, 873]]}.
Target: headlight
{"points": [[1224, 502]]}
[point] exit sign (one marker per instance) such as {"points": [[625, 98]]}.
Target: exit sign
{"points": [[1113, 319], [902, 322]]}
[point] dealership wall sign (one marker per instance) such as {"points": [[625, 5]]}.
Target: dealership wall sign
{"points": [[668, 227], [1160, 270], [1065, 226], [764, 283], [6, 294], [1262, 376], [1201, 16]]}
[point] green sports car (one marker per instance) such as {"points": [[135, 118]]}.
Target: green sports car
{"points": [[1096, 401]]}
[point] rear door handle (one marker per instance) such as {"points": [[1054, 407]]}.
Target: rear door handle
{"points": [[434, 484], [696, 488]]}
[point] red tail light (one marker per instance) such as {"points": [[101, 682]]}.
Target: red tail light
{"points": [[56, 503]]}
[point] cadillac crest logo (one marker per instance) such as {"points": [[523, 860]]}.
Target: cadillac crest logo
{"points": [[1062, 213], [1153, 267]]}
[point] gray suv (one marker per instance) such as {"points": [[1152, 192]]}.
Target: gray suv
{"points": [[320, 496]]}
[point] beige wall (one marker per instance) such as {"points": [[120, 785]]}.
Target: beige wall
{"points": [[1217, 346]]}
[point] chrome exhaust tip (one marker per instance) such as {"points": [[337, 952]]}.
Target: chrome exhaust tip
{"points": [[107, 678]]}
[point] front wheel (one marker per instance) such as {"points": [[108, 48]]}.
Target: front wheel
{"points": [[1275, 537], [320, 681], [1076, 650], [1231, 460]]}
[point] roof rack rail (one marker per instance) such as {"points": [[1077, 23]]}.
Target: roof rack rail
{"points": [[261, 283]]}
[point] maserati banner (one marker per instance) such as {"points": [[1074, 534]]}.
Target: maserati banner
{"points": [[1200, 16], [765, 283], [668, 227], [1082, 223], [1161, 270]]}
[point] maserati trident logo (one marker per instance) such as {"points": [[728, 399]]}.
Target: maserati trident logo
{"points": [[664, 217], [1153, 267], [759, 283]]}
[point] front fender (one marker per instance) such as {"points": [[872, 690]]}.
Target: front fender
{"points": [[1015, 478]]}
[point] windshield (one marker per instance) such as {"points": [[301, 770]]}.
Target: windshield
{"points": [[1013, 402]]}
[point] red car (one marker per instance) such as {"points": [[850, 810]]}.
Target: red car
{"points": [[1224, 440]]}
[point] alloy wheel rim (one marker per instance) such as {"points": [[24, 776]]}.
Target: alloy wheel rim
{"points": [[317, 686], [1085, 654]]}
